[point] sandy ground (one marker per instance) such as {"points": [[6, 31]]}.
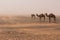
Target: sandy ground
{"points": [[33, 27], [30, 31]]}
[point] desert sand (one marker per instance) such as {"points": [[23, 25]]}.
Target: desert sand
{"points": [[29, 30]]}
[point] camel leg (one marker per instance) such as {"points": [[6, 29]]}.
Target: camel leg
{"points": [[54, 19], [44, 19], [49, 19], [34, 17], [40, 19], [31, 16]]}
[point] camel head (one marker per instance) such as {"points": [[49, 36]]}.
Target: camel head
{"points": [[46, 14], [37, 15]]}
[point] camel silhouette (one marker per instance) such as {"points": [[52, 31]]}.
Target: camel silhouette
{"points": [[41, 16], [33, 16], [51, 15]]}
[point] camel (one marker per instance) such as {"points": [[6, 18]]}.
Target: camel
{"points": [[33, 16], [41, 16], [51, 15]]}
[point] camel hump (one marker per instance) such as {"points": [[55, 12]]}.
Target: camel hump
{"points": [[32, 14], [42, 15], [52, 15]]}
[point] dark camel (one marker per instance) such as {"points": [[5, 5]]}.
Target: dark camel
{"points": [[33, 16], [41, 16], [51, 15]]}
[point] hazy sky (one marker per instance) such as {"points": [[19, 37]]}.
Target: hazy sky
{"points": [[26, 7]]}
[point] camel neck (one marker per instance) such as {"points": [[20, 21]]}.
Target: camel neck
{"points": [[37, 15], [47, 15]]}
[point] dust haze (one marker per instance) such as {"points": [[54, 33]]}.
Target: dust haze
{"points": [[18, 23]]}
